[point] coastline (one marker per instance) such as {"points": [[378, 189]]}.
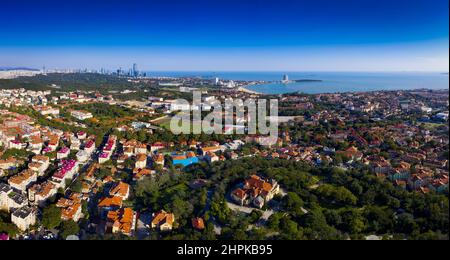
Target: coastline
{"points": [[248, 91], [348, 82]]}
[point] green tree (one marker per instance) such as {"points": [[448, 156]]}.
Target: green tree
{"points": [[6, 226], [219, 209], [77, 186], [68, 228], [51, 217], [380, 219], [274, 221], [293, 203], [352, 221], [254, 216]]}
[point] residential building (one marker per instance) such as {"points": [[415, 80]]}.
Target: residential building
{"points": [[163, 220], [82, 156], [22, 180], [158, 159], [141, 161], [75, 143], [109, 203], [122, 221], [211, 149], [140, 148], [38, 194], [24, 217], [6, 164], [120, 189], [67, 171], [70, 208], [39, 164], [157, 146], [89, 146], [81, 135], [198, 223], [63, 153], [81, 115], [11, 198], [16, 144], [211, 157], [138, 174], [256, 191]]}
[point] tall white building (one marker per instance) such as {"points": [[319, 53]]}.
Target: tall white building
{"points": [[24, 217]]}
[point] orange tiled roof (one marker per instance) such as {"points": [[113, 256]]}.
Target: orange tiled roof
{"points": [[65, 202], [36, 140], [108, 179], [130, 143], [110, 202], [128, 150], [162, 217], [190, 154], [198, 223], [179, 157], [43, 189], [70, 211], [256, 182], [22, 177], [41, 158], [34, 165], [141, 145], [141, 157], [8, 161], [120, 189], [159, 158], [90, 172], [210, 149], [139, 173], [122, 219], [240, 193]]}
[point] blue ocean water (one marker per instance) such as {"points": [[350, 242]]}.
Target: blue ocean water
{"points": [[330, 82]]}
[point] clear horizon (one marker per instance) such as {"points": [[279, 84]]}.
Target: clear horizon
{"points": [[199, 35], [231, 71]]}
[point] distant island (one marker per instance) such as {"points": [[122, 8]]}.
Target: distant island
{"points": [[298, 81], [286, 80], [307, 80]]}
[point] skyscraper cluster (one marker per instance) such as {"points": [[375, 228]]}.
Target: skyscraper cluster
{"points": [[132, 72]]}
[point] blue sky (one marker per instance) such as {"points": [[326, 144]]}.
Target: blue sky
{"points": [[281, 35]]}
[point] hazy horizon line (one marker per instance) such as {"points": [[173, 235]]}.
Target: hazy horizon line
{"points": [[218, 71]]}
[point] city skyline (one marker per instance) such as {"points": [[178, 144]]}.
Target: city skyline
{"points": [[227, 36]]}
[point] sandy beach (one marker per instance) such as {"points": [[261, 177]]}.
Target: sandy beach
{"points": [[246, 90]]}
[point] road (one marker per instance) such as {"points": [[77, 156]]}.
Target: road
{"points": [[84, 168], [142, 230], [243, 209], [217, 227]]}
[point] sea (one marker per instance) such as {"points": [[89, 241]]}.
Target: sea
{"points": [[326, 82]]}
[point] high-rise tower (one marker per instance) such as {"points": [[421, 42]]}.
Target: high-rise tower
{"points": [[135, 72], [285, 79]]}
